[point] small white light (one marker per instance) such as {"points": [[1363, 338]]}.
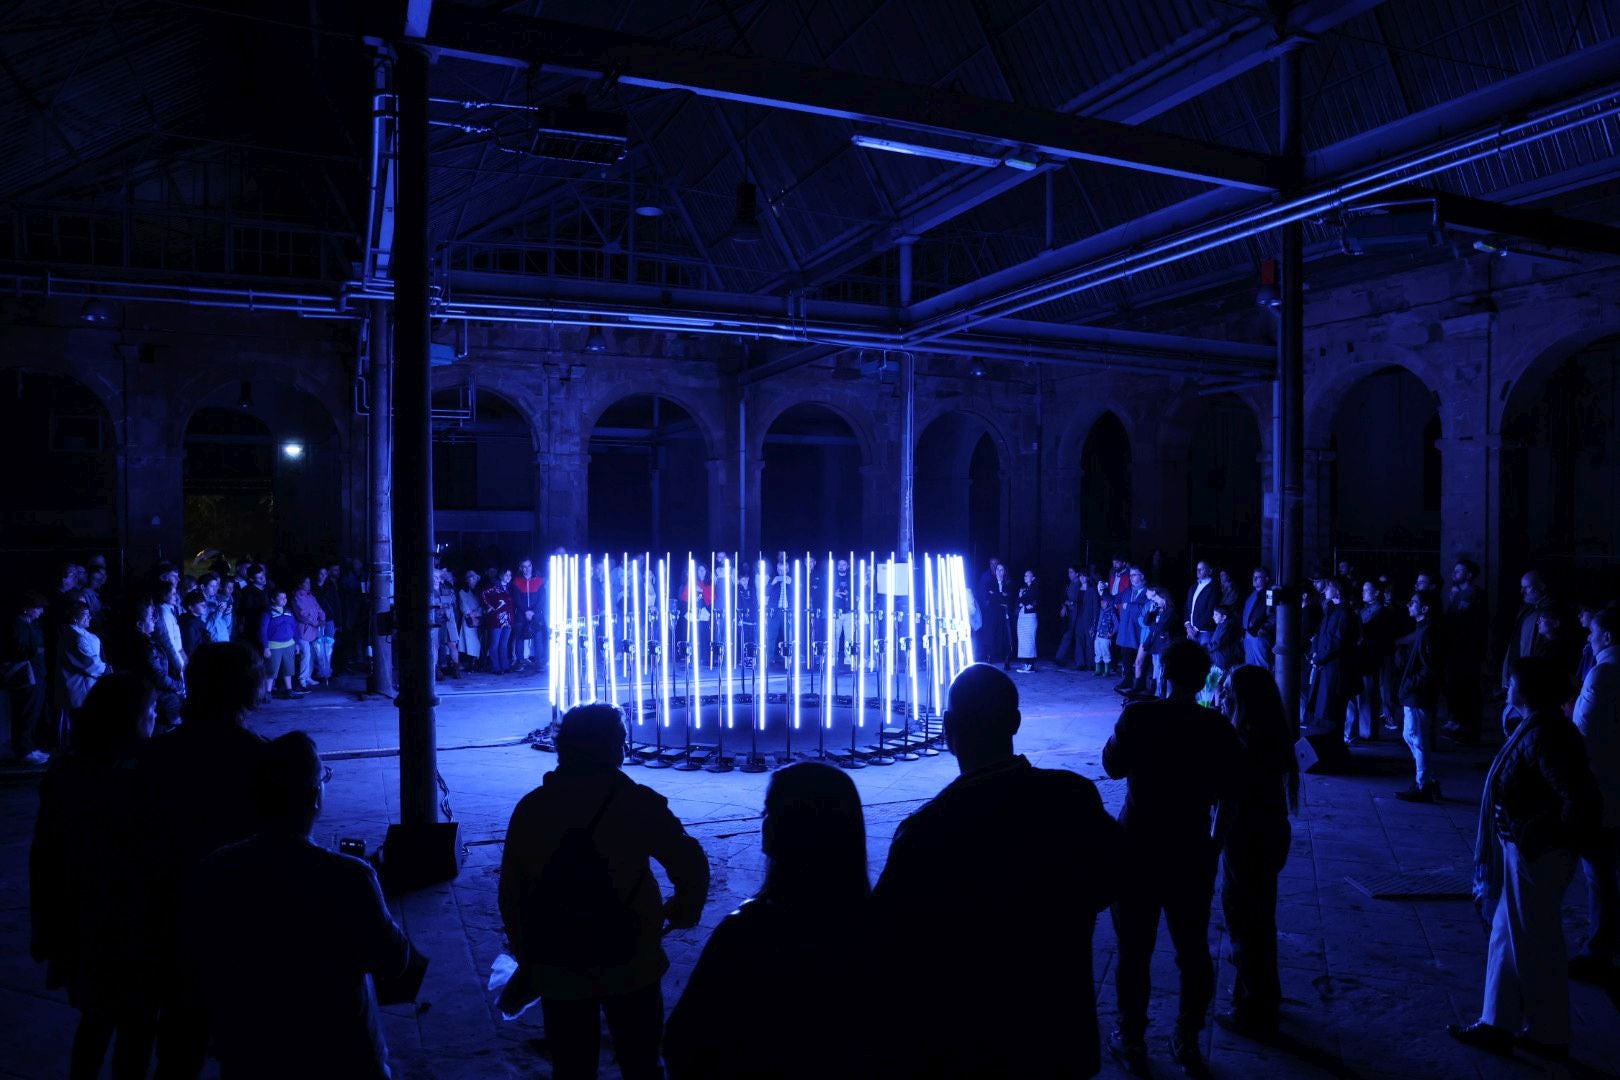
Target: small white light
{"points": [[292, 451]]}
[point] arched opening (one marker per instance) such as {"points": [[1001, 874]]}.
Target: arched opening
{"points": [[1105, 491], [1560, 481], [1225, 505], [649, 481], [958, 488], [262, 474], [483, 479], [810, 497], [62, 493], [1385, 501]]}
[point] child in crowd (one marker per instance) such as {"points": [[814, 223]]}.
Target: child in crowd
{"points": [[276, 629], [1103, 633]]}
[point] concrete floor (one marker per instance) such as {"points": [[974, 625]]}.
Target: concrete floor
{"points": [[1369, 984]]}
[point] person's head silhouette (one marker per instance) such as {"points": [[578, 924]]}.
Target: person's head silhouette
{"points": [[590, 739], [981, 716], [222, 684], [290, 784], [815, 838], [1186, 668]]}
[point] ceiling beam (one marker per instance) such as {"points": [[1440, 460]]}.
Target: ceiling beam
{"points": [[1501, 219], [564, 48]]}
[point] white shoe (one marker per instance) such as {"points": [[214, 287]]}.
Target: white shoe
{"points": [[36, 757]]}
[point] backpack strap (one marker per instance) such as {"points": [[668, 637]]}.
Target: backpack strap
{"points": [[596, 819]]}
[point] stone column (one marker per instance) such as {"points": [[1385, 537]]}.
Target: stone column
{"points": [[1469, 469], [722, 523], [566, 479], [156, 509], [750, 509], [1319, 505], [879, 513]]}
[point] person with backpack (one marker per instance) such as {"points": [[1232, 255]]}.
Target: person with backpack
{"points": [[583, 913]]}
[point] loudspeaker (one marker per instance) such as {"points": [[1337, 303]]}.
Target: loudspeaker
{"points": [[415, 856]]}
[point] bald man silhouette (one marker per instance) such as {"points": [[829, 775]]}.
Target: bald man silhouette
{"points": [[1008, 867]]}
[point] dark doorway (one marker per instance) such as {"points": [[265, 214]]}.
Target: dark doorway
{"points": [[810, 498], [649, 480], [984, 502], [958, 489], [483, 480], [1560, 483], [1386, 468], [1105, 491], [62, 503], [1224, 499]]}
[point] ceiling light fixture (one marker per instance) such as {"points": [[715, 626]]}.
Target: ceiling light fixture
{"points": [[649, 210], [961, 157], [976, 369], [596, 341]]}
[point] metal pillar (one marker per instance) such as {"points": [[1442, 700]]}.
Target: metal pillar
{"points": [[1291, 380], [908, 422], [413, 454], [380, 430]]}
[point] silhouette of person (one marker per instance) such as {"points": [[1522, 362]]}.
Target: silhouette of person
{"points": [[587, 939], [1179, 759], [86, 885], [197, 796], [1006, 868], [784, 954], [287, 938]]}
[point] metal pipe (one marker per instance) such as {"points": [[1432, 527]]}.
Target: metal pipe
{"points": [[1291, 380], [380, 457]]}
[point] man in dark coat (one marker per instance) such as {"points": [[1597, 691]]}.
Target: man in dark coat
{"points": [[1259, 623], [1201, 601], [1420, 694], [1180, 760], [1333, 659], [996, 598], [1072, 646], [1465, 633], [1007, 868]]}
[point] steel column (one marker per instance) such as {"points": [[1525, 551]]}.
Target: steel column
{"points": [[379, 437], [1291, 378]]}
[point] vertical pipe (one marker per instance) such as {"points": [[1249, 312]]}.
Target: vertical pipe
{"points": [[413, 453], [888, 646], [908, 415], [860, 649], [731, 663], [1291, 377], [379, 429], [607, 630], [829, 658]]}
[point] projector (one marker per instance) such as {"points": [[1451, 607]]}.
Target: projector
{"points": [[1384, 228]]}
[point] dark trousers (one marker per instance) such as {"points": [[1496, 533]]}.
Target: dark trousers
{"points": [[1075, 645], [1464, 698], [1249, 872], [1125, 657], [182, 1039], [1602, 871], [574, 1033], [26, 707], [499, 653], [1182, 887], [776, 628]]}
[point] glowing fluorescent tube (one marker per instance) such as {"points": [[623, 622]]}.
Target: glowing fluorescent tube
{"points": [[928, 629], [573, 630], [624, 613], [663, 630], [798, 615], [965, 629], [829, 658], [632, 592], [712, 609], [551, 629], [590, 632], [860, 648], [694, 687], [888, 646], [760, 679], [731, 667], [911, 632], [607, 626]]}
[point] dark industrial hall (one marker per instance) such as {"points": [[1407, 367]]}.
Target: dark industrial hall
{"points": [[794, 538]]}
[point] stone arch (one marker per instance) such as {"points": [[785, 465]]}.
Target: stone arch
{"points": [[647, 487], [1326, 385], [817, 490], [519, 397], [1104, 463], [1526, 369], [704, 413], [961, 499], [485, 477], [769, 410], [1221, 439], [216, 380]]}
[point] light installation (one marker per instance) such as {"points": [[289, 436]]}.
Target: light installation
{"points": [[667, 647]]}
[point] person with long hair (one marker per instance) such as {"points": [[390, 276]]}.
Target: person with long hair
{"points": [[783, 953], [86, 880], [1252, 825]]}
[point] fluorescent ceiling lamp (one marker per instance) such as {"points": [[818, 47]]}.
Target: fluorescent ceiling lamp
{"points": [[292, 451], [870, 142], [670, 320], [1022, 164]]}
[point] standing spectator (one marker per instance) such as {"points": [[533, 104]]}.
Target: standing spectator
{"points": [[1029, 603], [472, 612], [779, 598], [1179, 760], [1119, 578], [1534, 600], [1252, 828], [79, 662], [1086, 623], [251, 604], [330, 599], [582, 910], [311, 621], [498, 606], [1597, 717], [1224, 644], [197, 796], [1009, 865], [193, 624], [1129, 606], [166, 614], [1259, 623], [1378, 633], [449, 621], [1332, 656], [1539, 806], [293, 944], [1229, 590], [218, 601], [781, 955], [996, 606], [1070, 648], [1465, 634], [1202, 599], [154, 664], [1420, 695], [277, 628], [529, 616], [22, 670], [94, 592], [1105, 630], [1157, 631], [88, 907]]}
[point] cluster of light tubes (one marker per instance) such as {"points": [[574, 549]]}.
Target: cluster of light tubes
{"points": [[623, 657]]}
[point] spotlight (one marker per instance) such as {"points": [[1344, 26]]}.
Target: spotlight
{"points": [[977, 369], [595, 341], [96, 312], [649, 210], [1267, 295], [292, 450]]}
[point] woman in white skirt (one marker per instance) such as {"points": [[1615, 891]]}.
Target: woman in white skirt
{"points": [[472, 606], [1028, 601]]}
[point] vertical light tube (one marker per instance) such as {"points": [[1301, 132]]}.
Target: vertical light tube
{"points": [[712, 609], [551, 629], [610, 658], [962, 594], [860, 649], [694, 601], [624, 609], [929, 627], [632, 593], [731, 667], [888, 647], [573, 629], [663, 631], [793, 653], [830, 658], [590, 633], [759, 657], [911, 632]]}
